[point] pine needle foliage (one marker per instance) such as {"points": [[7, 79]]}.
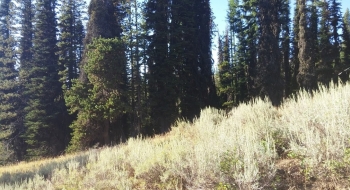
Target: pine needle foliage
{"points": [[9, 86], [101, 101]]}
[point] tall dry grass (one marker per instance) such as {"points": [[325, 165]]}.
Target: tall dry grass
{"points": [[242, 149]]}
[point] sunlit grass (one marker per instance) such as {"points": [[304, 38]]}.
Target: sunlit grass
{"points": [[242, 149]]}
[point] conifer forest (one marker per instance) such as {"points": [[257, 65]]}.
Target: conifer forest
{"points": [[75, 75]]}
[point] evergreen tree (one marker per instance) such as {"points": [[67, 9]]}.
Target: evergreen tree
{"points": [[335, 23], [101, 109], [295, 49], [344, 75], [325, 65], [190, 46], [9, 88], [204, 31], [269, 79], [243, 26], [45, 113], [226, 78], [70, 40], [25, 59], [248, 50], [162, 80], [99, 96], [285, 45], [133, 35], [313, 22], [306, 76]]}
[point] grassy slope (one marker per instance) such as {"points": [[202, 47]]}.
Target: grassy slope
{"points": [[301, 145]]}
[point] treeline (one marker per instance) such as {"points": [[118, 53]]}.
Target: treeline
{"points": [[135, 69], [141, 65], [265, 52]]}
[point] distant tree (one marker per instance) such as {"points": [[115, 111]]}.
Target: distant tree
{"points": [[162, 81], [25, 50], [70, 44], [242, 19], [99, 96], [226, 79], [103, 105], [204, 32], [295, 49], [196, 79], [269, 78], [325, 65], [306, 76], [313, 22], [345, 46], [284, 19], [335, 16], [134, 36], [9, 88], [249, 37], [45, 113]]}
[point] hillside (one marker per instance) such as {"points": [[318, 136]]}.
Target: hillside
{"points": [[301, 145]]}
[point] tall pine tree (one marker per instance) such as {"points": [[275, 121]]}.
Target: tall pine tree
{"points": [[269, 79], [335, 15], [162, 78], [325, 65], [295, 49], [284, 19], [344, 75], [306, 76], [71, 35], [9, 88], [25, 59], [45, 113], [226, 79], [99, 96]]}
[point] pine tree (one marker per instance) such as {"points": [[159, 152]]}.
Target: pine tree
{"points": [[183, 55], [45, 114], [312, 9], [99, 96], [248, 70], [101, 109], [335, 22], [269, 79], [243, 26], [25, 59], [285, 46], [134, 37], [295, 49], [325, 66], [70, 40], [204, 30], [162, 80], [225, 71], [9, 88], [306, 76], [344, 75]]}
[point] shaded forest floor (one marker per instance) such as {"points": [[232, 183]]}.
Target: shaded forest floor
{"points": [[303, 144]]}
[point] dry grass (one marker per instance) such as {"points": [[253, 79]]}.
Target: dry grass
{"points": [[301, 145]]}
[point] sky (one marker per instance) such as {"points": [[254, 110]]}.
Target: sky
{"points": [[219, 8]]}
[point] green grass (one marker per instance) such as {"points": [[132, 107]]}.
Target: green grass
{"points": [[303, 144]]}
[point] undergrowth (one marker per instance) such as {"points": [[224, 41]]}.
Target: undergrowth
{"points": [[303, 144]]}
